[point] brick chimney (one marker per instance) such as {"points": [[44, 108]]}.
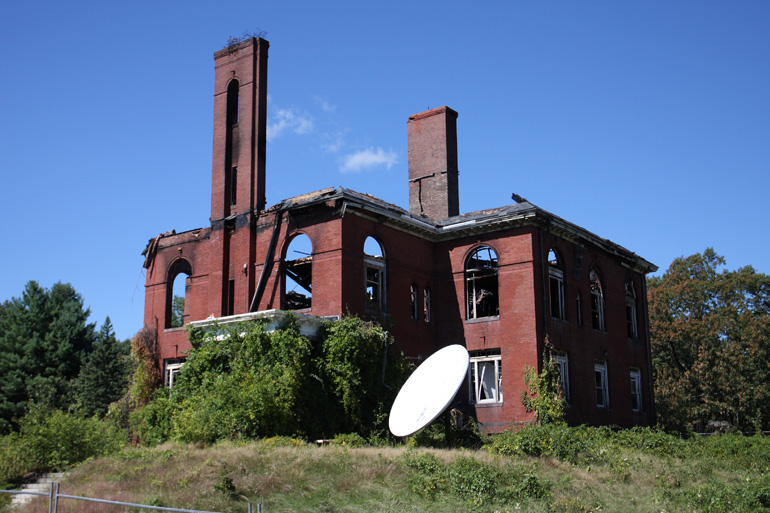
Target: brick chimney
{"points": [[433, 170]]}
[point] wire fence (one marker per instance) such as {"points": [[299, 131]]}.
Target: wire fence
{"points": [[54, 496]]}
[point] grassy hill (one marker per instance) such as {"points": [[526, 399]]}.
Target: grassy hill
{"points": [[541, 472]]}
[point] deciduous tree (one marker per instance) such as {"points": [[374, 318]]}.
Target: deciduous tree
{"points": [[710, 333]]}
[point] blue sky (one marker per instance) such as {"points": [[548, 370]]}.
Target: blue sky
{"points": [[647, 123]]}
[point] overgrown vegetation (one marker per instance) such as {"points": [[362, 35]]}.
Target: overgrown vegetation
{"points": [[542, 393], [242, 382]]}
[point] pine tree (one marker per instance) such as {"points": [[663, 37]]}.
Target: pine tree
{"points": [[44, 339], [103, 377]]}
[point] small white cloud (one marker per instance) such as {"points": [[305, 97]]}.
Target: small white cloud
{"points": [[368, 159], [287, 120], [325, 106]]}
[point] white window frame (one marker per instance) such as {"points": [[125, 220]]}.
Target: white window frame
{"points": [[173, 367], [482, 361], [601, 385], [562, 361], [636, 390]]}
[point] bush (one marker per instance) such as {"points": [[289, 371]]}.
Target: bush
{"points": [[52, 440]]}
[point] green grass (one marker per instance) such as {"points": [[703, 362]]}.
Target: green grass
{"points": [[539, 470]]}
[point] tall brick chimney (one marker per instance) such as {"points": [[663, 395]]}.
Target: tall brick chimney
{"points": [[240, 122], [433, 189], [237, 171]]}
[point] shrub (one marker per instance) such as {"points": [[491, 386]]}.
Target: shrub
{"points": [[52, 440]]}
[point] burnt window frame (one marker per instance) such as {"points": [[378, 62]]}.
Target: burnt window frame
{"points": [[477, 277], [632, 324], [556, 291], [598, 317], [303, 280], [178, 266], [375, 278]]}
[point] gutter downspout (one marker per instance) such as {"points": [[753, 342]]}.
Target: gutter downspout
{"points": [[268, 262]]}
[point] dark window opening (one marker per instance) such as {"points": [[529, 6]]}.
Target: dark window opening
{"points": [[374, 275], [298, 274], [231, 297], [631, 324], [426, 305], [233, 185], [177, 288], [556, 285], [413, 301], [232, 103], [481, 285], [597, 302], [579, 306]]}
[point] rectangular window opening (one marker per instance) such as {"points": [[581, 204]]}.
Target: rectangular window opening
{"points": [[636, 390], [600, 379], [486, 377]]}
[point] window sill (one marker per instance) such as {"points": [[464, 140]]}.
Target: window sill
{"points": [[488, 405], [178, 328], [483, 319]]}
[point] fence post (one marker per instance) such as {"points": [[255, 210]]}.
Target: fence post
{"points": [[50, 499], [56, 498]]}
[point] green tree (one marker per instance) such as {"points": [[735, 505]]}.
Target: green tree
{"points": [[177, 311], [710, 336], [44, 339], [103, 377]]}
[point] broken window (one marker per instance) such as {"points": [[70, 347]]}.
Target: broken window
{"points": [[631, 326], [298, 274], [177, 286], [636, 390], [413, 301], [426, 305], [562, 362], [172, 367], [481, 284], [486, 377], [374, 275], [556, 284], [600, 384], [597, 301]]}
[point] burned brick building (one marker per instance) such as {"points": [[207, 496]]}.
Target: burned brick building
{"points": [[503, 282]]}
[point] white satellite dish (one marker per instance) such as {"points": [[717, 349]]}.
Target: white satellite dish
{"points": [[429, 390]]}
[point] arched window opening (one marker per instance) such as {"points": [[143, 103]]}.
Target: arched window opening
{"points": [[177, 286], [298, 274], [374, 275], [556, 284], [597, 301], [631, 324], [232, 103], [426, 305], [481, 287], [413, 301]]}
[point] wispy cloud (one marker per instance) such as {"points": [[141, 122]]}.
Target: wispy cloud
{"points": [[288, 120], [368, 159], [325, 106]]}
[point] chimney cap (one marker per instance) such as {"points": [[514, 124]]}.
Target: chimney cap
{"points": [[433, 112]]}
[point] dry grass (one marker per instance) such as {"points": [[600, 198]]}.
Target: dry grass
{"points": [[225, 476]]}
